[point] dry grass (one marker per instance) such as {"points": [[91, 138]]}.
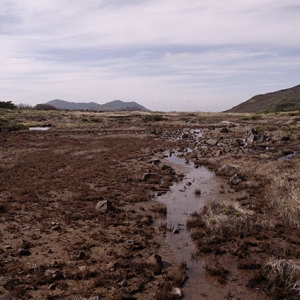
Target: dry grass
{"points": [[284, 192], [226, 220], [282, 278]]}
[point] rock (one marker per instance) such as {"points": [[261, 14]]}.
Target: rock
{"points": [[287, 151], [78, 255], [25, 244], [286, 138], [104, 206], [24, 252], [176, 293], [147, 220], [82, 268], [154, 161], [224, 130], [112, 266], [240, 143], [9, 283], [218, 153], [52, 286], [54, 274], [54, 264], [185, 135], [252, 136], [236, 179], [176, 231], [156, 263], [168, 169], [151, 177], [212, 142], [56, 227]]}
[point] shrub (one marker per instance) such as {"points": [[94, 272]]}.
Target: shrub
{"points": [[155, 118], [7, 105], [45, 107]]}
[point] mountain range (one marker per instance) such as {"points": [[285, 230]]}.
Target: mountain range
{"points": [[116, 105], [283, 100]]}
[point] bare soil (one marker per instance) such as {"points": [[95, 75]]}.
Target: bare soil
{"points": [[55, 244]]}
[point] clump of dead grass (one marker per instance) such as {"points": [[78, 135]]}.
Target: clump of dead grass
{"points": [[230, 220], [284, 193], [281, 277]]}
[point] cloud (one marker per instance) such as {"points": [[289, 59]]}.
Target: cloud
{"points": [[159, 52]]}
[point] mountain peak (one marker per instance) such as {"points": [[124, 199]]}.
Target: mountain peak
{"points": [[116, 105]]}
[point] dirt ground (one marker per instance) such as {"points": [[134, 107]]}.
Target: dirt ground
{"points": [[57, 243]]}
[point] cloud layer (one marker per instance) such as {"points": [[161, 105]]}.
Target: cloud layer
{"points": [[166, 55]]}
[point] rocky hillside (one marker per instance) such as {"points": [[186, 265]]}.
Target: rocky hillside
{"points": [[283, 100], [115, 105]]}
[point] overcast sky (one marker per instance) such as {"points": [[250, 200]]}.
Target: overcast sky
{"points": [[168, 55]]}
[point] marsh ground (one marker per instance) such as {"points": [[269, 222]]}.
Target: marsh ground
{"points": [[56, 245]]}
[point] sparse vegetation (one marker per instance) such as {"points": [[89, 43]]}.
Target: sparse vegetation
{"points": [[153, 118], [281, 278], [52, 181]]}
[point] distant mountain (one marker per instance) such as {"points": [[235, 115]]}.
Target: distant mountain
{"points": [[116, 105], [283, 100]]}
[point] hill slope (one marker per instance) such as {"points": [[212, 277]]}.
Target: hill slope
{"points": [[283, 100], [116, 105]]}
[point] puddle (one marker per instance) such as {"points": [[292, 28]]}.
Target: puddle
{"points": [[39, 128], [181, 201]]}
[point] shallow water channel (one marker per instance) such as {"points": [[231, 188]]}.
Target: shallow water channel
{"points": [[181, 201]]}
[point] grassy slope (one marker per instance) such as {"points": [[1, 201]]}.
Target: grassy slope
{"points": [[283, 100]]}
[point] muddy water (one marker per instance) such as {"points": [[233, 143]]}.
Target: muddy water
{"points": [[181, 201]]}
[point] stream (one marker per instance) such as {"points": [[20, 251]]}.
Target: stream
{"points": [[181, 201]]}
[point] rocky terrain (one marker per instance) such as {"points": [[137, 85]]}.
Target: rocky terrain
{"points": [[78, 205]]}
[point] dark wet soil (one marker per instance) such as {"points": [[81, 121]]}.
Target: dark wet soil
{"points": [[56, 245]]}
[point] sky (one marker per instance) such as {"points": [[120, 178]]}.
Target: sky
{"points": [[168, 55]]}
